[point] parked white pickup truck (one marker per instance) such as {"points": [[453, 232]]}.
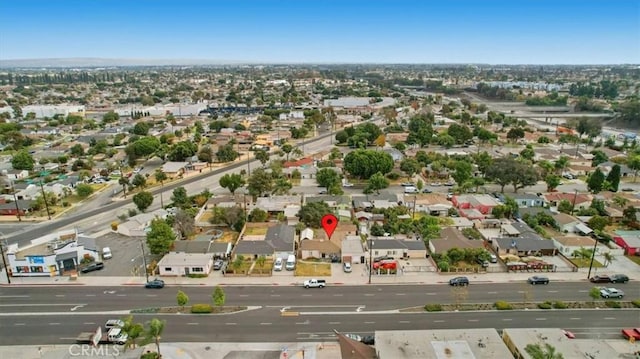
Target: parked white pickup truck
{"points": [[315, 283]]}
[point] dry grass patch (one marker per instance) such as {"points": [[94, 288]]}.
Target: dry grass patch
{"points": [[584, 263], [256, 231], [313, 269]]}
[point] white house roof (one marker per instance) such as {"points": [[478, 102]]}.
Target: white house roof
{"points": [[184, 259], [583, 228]]}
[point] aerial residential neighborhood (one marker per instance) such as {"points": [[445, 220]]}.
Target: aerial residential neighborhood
{"points": [[260, 180]]}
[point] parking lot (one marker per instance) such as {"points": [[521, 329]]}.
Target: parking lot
{"points": [[127, 256]]}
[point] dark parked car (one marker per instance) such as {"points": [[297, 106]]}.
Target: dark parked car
{"points": [[536, 279], [92, 267], [459, 281], [368, 339], [426, 190], [600, 279], [156, 284], [218, 264], [619, 278]]}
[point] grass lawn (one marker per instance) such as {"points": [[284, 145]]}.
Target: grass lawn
{"points": [[268, 266], [244, 268], [313, 269], [585, 262], [206, 216], [256, 231], [635, 259]]}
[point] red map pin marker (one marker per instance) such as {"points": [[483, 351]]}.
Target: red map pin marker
{"points": [[329, 223]]}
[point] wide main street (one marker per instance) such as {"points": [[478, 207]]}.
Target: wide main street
{"points": [[31, 315], [102, 215]]}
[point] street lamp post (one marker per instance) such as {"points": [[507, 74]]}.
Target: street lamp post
{"points": [[370, 259]]}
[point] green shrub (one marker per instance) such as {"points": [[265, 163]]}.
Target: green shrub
{"points": [[433, 308], [612, 304], [502, 305], [636, 303], [201, 308], [545, 305], [560, 305], [197, 275], [146, 310], [393, 176], [150, 355]]}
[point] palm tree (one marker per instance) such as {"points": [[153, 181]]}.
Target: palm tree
{"points": [[124, 181], [154, 332], [133, 330], [561, 163], [260, 262], [608, 258], [537, 352], [620, 201]]}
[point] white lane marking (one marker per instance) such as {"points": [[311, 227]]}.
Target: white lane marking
{"points": [[265, 323], [54, 323], [152, 295], [575, 318], [401, 293], [59, 295], [492, 292], [90, 295], [243, 295], [338, 295], [275, 295], [19, 324], [473, 320], [334, 322], [121, 295], [307, 295], [404, 322], [541, 318], [369, 322], [438, 321], [193, 323], [368, 295], [552, 291], [609, 318], [507, 319], [38, 305], [15, 296], [89, 323], [230, 323], [432, 293]]}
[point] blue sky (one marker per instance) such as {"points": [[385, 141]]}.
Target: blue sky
{"points": [[445, 31]]}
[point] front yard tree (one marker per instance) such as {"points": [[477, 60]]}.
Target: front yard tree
{"points": [[376, 183], [287, 148], [507, 170], [311, 213], [139, 181], [259, 183], [613, 178], [262, 156], [231, 181], [22, 161], [226, 153], [365, 163], [180, 198], [84, 190], [463, 172], [598, 223], [460, 133], [410, 166], [515, 134], [553, 181], [182, 298], [184, 222], [258, 215], [143, 200], [206, 155], [327, 178], [596, 181], [218, 296], [160, 238]]}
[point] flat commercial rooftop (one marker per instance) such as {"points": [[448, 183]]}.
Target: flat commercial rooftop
{"points": [[441, 344]]}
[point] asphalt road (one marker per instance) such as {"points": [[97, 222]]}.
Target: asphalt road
{"points": [[268, 324], [368, 298], [36, 230]]}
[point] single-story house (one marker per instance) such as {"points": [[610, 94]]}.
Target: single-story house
{"points": [[253, 249], [524, 246], [352, 247], [567, 223], [451, 237], [184, 264], [528, 200], [569, 244], [315, 248]]}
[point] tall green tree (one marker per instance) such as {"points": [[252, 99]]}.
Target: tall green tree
{"points": [[182, 298], [262, 156], [410, 166], [506, 170], [376, 183], [218, 296], [22, 161], [260, 182], [180, 198], [226, 153], [613, 178], [160, 238], [365, 163], [231, 181], [596, 181], [327, 178], [311, 213], [142, 200]]}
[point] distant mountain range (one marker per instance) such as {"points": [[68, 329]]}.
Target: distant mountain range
{"points": [[103, 62]]}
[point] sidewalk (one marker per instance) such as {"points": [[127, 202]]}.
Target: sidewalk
{"points": [[297, 350], [287, 279]]}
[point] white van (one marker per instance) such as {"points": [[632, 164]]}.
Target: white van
{"points": [[277, 265], [106, 253], [291, 262], [410, 189]]}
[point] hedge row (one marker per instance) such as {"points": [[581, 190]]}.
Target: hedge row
{"points": [[201, 308]]}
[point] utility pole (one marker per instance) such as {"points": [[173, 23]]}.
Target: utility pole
{"points": [[593, 256], [4, 262], [44, 196], [144, 261], [15, 200]]}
